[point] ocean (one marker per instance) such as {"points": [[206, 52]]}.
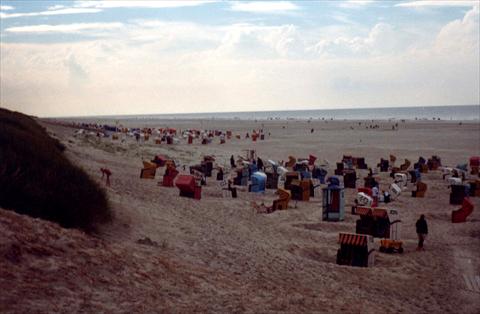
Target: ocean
{"points": [[459, 113]]}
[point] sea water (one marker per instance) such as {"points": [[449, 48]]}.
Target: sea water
{"points": [[464, 112]]}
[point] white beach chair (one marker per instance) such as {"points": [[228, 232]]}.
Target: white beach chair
{"points": [[395, 190], [364, 199], [401, 179]]}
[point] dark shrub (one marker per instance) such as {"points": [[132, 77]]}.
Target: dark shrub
{"points": [[38, 180]]}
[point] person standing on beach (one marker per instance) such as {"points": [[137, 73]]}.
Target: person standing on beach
{"points": [[232, 162], [259, 164], [422, 231]]}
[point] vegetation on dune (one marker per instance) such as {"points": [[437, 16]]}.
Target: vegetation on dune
{"points": [[38, 180]]}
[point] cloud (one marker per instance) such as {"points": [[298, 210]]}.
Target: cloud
{"points": [[76, 73], [56, 7], [355, 4], [63, 28], [437, 3], [461, 36], [106, 4], [260, 42], [6, 7], [273, 7], [81, 7], [381, 40], [50, 12]]}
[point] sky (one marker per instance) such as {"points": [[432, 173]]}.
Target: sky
{"points": [[82, 58]]}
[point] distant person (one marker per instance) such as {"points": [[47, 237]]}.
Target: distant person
{"points": [[386, 197], [354, 207], [375, 194], [232, 161], [312, 130], [422, 231], [259, 164]]}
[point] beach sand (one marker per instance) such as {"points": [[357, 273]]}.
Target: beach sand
{"points": [[218, 255]]}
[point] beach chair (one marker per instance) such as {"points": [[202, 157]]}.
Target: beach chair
{"points": [[348, 161], [169, 176], [395, 190], [461, 214], [350, 179], [434, 163], [258, 184], [474, 164], [333, 203], [148, 171], [207, 166], [360, 163], [423, 168], [370, 182], [272, 180], [369, 191], [291, 162], [374, 222], [414, 175], [405, 165], [160, 160], [340, 169], [300, 190], [188, 187], [383, 165], [320, 174], [392, 160], [364, 199], [400, 179], [474, 188], [355, 250], [458, 193], [284, 197], [289, 177], [421, 189]]}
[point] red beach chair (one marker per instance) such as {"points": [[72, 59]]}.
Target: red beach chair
{"points": [[461, 214]]}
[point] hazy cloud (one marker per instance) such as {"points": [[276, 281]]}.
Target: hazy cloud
{"points": [[76, 73], [264, 7], [438, 3], [63, 28], [105, 4], [50, 12], [354, 4]]}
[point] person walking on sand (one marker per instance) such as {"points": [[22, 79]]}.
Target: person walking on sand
{"points": [[422, 231]]}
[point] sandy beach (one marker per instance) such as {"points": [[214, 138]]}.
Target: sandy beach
{"points": [[218, 255]]}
